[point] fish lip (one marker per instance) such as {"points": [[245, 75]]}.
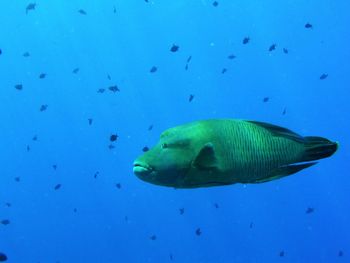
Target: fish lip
{"points": [[140, 168]]}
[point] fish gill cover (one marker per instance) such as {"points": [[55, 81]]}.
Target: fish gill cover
{"points": [[87, 86]]}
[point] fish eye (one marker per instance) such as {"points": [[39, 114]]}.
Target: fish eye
{"points": [[164, 145]]}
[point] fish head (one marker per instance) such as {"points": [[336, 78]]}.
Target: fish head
{"points": [[169, 160]]}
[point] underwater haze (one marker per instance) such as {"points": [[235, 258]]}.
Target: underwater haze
{"points": [[88, 86]]}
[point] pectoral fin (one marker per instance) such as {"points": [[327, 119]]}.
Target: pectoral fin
{"points": [[206, 159]]}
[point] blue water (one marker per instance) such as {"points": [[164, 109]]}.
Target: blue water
{"points": [[92, 220]]}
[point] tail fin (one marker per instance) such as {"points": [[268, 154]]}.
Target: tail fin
{"points": [[317, 148]]}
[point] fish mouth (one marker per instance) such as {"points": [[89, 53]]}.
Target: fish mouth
{"points": [[140, 168]]}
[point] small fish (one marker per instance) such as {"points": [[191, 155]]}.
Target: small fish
{"points": [[75, 210], [308, 25], [54, 166], [191, 97], [174, 48], [18, 86], [189, 59], [171, 256], [266, 99], [0, 51], [8, 204], [90, 121], [114, 88], [146, 1], [251, 225], [284, 111], [96, 174], [3, 257], [17, 179], [35, 138], [272, 47], [231, 56], [58, 186], [323, 76], [153, 237], [30, 7], [340, 253], [43, 107], [198, 231], [145, 149], [281, 254], [118, 185], [28, 148], [224, 70], [111, 146], [109, 77], [245, 40], [285, 51], [26, 54], [216, 205], [182, 210], [101, 90], [113, 137], [82, 12], [114, 9], [75, 71], [215, 3], [5, 222], [186, 67], [42, 75], [153, 69], [150, 127], [309, 210], [126, 218]]}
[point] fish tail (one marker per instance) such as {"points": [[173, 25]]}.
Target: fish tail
{"points": [[318, 148]]}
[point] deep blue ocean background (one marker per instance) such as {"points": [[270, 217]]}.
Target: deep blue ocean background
{"points": [[102, 212]]}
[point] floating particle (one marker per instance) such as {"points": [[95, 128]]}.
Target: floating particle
{"points": [[3, 257], [43, 107], [231, 56], [309, 210], [191, 97], [266, 99], [5, 222], [281, 254], [30, 7], [42, 76], [174, 48], [17, 179], [198, 231], [145, 149], [101, 90], [76, 70], [54, 166], [90, 121], [308, 25], [182, 210], [118, 185], [26, 54], [57, 186], [18, 86], [114, 88], [285, 51], [215, 3], [113, 137], [245, 40], [82, 12], [153, 237], [272, 47], [153, 69], [323, 76], [150, 127], [224, 70]]}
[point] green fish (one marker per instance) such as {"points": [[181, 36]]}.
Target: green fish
{"points": [[226, 151]]}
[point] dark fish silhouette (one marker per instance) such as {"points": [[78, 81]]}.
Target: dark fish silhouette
{"points": [[35, 138], [96, 174], [0, 51], [186, 67], [189, 59], [215, 3], [30, 7], [281, 254], [54, 166], [43, 107], [8, 204], [174, 48], [42, 75], [145, 149], [101, 90], [113, 137], [266, 99], [90, 121], [18, 86], [75, 71], [308, 25], [118, 185], [111, 146], [26, 54], [272, 47], [231, 56], [5, 222], [251, 225], [216, 205], [28, 148], [182, 211], [58, 186], [284, 111], [309, 210], [114, 9], [82, 12], [114, 88], [3, 257], [198, 231], [109, 77], [153, 237], [17, 179], [285, 51], [323, 76], [191, 98], [224, 70], [153, 69], [245, 40], [340, 253], [171, 257], [150, 127]]}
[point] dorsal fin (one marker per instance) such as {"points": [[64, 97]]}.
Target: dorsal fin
{"points": [[280, 131]]}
